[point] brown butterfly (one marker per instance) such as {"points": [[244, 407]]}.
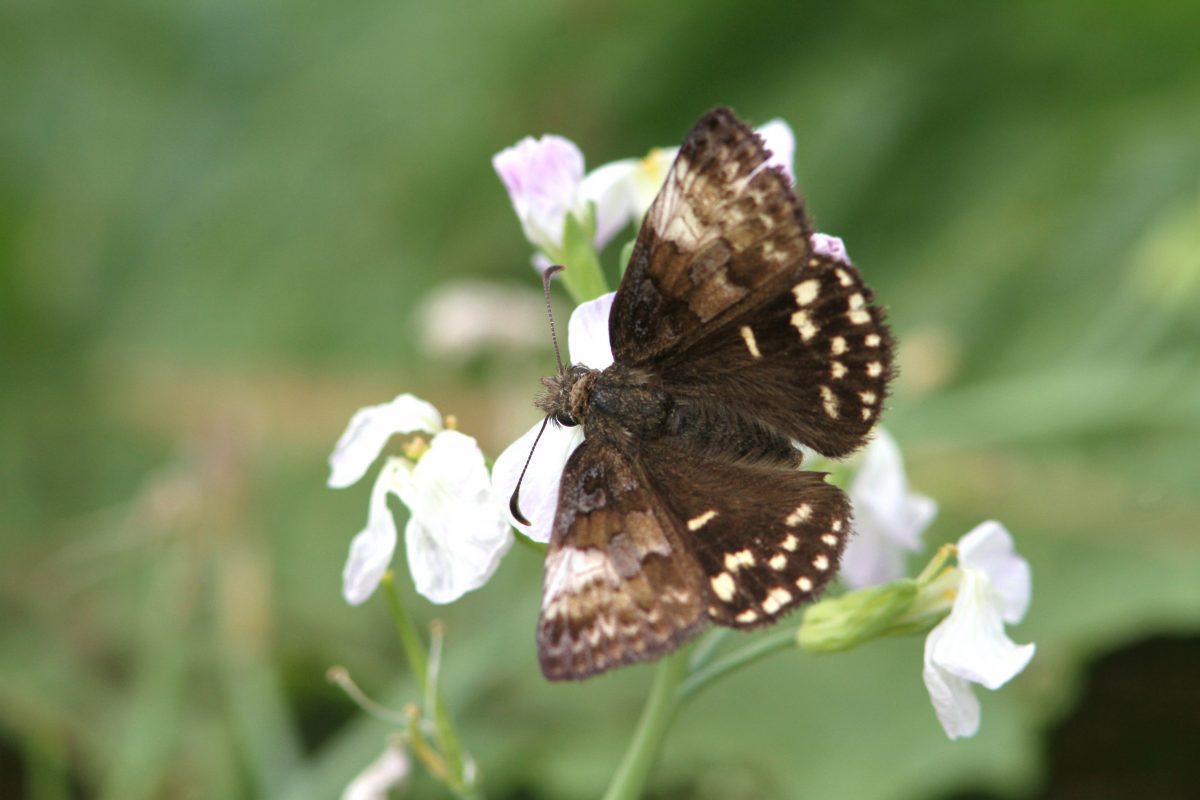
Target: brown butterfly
{"points": [[733, 341]]}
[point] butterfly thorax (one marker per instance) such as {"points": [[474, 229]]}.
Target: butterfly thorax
{"points": [[621, 401]]}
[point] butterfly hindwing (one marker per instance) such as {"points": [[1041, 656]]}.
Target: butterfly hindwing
{"points": [[767, 538], [813, 363], [719, 237], [619, 585]]}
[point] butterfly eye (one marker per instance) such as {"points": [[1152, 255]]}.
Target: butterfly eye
{"points": [[565, 419]]}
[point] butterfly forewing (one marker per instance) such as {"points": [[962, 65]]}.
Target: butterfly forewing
{"points": [[619, 585], [719, 239]]}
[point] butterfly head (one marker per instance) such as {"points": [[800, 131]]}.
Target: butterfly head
{"points": [[567, 394]]}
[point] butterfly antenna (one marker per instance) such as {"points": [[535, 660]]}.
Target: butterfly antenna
{"points": [[546, 276], [514, 502]]}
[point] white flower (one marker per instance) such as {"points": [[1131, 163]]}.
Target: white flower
{"points": [[542, 177], [456, 534], [546, 182], [888, 518], [970, 645], [380, 776], [587, 342]]}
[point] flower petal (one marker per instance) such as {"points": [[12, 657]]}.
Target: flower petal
{"points": [[650, 177], [956, 706], [456, 534], [372, 549], [989, 548], [611, 187], [539, 489], [829, 246], [587, 333], [972, 643], [780, 140], [888, 519], [369, 430], [377, 778], [542, 177]]}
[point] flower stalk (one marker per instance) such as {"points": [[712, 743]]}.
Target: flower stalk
{"points": [[451, 753], [661, 705]]}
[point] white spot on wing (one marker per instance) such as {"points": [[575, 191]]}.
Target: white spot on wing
{"points": [[829, 539], [837, 369], [699, 521], [778, 562], [806, 291], [802, 323], [821, 563], [837, 345], [777, 598], [749, 615], [844, 277], [858, 316], [830, 402], [751, 342], [789, 543], [733, 561], [875, 369], [724, 587], [872, 340], [804, 584], [802, 513]]}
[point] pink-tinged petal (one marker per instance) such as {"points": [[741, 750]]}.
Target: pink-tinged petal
{"points": [[539, 490], [587, 333], [972, 643], [829, 246], [456, 534], [380, 776], [611, 188], [372, 549], [369, 430], [542, 177], [779, 139], [989, 548], [954, 703], [888, 518]]}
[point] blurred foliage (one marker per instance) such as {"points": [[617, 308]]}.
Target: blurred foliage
{"points": [[217, 222]]}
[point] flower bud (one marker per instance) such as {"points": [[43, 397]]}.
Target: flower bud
{"points": [[842, 623]]}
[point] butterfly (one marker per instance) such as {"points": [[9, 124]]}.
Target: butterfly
{"points": [[687, 505]]}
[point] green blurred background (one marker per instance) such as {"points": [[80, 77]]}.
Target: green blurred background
{"points": [[219, 222]]}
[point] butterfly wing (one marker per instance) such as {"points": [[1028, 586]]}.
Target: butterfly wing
{"points": [[720, 237], [619, 584], [768, 537], [725, 300], [814, 362]]}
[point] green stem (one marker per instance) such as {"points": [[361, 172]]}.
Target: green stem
{"points": [[759, 649], [414, 652], [583, 276], [639, 758]]}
